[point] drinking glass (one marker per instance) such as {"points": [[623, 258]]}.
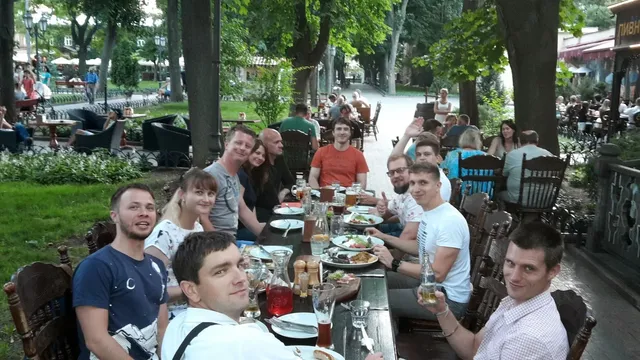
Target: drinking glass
{"points": [[324, 301], [337, 227], [357, 187], [338, 204], [298, 188], [359, 312], [351, 197], [256, 272], [318, 243]]}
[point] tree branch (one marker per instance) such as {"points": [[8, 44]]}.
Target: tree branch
{"points": [[325, 32], [300, 48]]}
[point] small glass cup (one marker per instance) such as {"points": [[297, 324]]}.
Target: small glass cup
{"points": [[357, 187], [337, 226], [256, 272], [324, 301], [319, 242], [359, 312], [304, 284]]}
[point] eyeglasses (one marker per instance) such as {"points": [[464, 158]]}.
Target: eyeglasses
{"points": [[398, 171]]}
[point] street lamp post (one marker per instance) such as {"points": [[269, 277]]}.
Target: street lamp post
{"points": [[39, 29], [161, 42]]}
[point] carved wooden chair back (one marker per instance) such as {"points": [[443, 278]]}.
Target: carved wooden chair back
{"points": [[297, 150], [63, 254], [482, 172], [540, 182], [577, 320], [40, 303], [456, 192], [471, 207], [447, 144], [102, 233]]}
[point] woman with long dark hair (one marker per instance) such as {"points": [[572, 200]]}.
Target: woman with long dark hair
{"points": [[507, 141], [253, 176], [194, 198]]}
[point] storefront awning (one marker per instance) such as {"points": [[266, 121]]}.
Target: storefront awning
{"points": [[600, 51], [577, 51]]}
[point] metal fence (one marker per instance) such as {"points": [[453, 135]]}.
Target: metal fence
{"points": [[580, 145]]}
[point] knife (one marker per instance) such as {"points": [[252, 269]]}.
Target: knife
{"points": [[285, 325], [370, 275], [368, 342], [265, 250]]}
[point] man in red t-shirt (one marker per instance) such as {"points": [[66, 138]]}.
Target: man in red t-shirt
{"points": [[339, 162]]}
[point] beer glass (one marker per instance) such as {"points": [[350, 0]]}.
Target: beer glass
{"points": [[351, 198], [299, 188], [324, 301]]}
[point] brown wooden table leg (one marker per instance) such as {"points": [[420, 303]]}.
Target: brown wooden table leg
{"points": [[53, 143]]}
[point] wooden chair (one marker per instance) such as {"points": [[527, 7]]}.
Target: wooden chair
{"points": [[373, 124], [63, 254], [447, 144], [482, 172], [102, 233], [365, 114], [471, 208], [577, 320], [479, 238], [540, 183], [456, 190], [40, 303], [297, 150]]}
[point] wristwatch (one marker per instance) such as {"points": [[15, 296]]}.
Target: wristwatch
{"points": [[395, 264]]}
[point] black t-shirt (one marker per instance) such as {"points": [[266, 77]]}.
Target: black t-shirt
{"points": [[249, 190], [279, 178]]}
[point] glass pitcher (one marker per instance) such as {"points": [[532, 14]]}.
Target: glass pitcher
{"points": [[320, 232], [279, 291]]}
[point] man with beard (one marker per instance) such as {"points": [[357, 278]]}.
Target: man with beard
{"points": [[402, 214], [279, 178], [119, 292], [339, 162], [230, 206]]}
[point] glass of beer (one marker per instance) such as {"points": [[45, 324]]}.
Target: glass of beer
{"points": [[351, 198], [308, 226], [326, 194], [256, 272], [338, 204], [428, 293], [299, 188], [324, 301]]}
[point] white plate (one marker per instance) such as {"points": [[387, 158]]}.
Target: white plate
{"points": [[289, 211], [307, 352], [360, 209], [377, 220], [304, 318], [325, 259], [257, 253], [339, 240], [260, 324], [283, 224]]}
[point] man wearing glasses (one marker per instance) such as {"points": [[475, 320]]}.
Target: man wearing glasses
{"points": [[229, 205]]}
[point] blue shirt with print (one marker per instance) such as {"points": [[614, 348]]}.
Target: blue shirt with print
{"points": [[91, 78], [130, 290]]}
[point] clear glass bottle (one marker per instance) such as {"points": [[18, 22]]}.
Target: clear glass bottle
{"points": [[427, 287], [321, 226]]}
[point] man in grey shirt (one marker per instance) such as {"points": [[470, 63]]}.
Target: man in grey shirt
{"points": [[229, 205]]}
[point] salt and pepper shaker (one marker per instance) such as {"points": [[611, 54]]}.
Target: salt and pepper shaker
{"points": [[312, 269], [299, 267]]}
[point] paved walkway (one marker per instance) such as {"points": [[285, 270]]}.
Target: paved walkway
{"points": [[617, 335], [66, 107]]}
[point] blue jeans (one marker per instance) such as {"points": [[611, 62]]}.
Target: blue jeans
{"points": [[21, 132], [393, 229]]}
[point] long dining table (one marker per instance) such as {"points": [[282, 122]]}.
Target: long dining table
{"points": [[373, 288]]}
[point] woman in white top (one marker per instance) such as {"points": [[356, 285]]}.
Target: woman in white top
{"points": [[194, 197], [442, 107], [507, 141]]}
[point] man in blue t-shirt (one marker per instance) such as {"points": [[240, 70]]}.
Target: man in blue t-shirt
{"points": [[119, 292]]}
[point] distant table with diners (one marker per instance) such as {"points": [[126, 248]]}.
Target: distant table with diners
{"points": [[53, 129]]}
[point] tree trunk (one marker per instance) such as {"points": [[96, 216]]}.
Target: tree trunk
{"points": [[313, 86], [7, 97], [530, 29], [197, 40], [301, 79], [469, 100], [109, 43], [156, 76], [173, 48], [397, 22], [82, 60]]}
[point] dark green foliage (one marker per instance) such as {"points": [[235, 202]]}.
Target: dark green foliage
{"points": [[125, 71]]}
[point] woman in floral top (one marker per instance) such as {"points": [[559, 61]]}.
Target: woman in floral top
{"points": [[195, 196]]}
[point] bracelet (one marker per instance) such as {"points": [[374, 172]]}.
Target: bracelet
{"points": [[454, 330], [444, 313]]}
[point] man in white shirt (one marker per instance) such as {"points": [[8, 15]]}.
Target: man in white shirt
{"points": [[402, 214], [632, 111], [443, 234], [527, 324], [210, 270]]}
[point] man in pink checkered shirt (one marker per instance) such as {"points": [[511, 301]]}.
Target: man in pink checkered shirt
{"points": [[527, 324]]}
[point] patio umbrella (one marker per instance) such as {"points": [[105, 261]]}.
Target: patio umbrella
{"points": [[582, 70], [61, 61], [94, 62]]}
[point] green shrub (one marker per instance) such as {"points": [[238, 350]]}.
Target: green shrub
{"points": [[584, 177], [272, 92], [629, 144], [493, 111], [67, 167]]}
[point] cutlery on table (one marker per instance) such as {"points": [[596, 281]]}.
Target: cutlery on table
{"points": [[288, 228], [366, 340], [297, 353], [370, 275], [264, 250], [286, 325]]}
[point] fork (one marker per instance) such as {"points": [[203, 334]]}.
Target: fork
{"points": [[288, 228]]}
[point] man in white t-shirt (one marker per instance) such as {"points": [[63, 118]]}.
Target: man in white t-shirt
{"points": [[210, 270], [443, 233]]}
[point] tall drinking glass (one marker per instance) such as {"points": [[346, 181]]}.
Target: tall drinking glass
{"points": [[256, 273], [338, 204], [324, 301], [298, 188], [351, 198]]}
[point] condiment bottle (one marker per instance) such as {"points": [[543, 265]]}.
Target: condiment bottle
{"points": [[298, 267], [312, 269]]}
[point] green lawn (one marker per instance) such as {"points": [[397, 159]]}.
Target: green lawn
{"points": [[34, 216], [141, 85]]}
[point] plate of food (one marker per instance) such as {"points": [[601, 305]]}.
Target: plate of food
{"points": [[363, 220], [314, 353], [357, 242], [349, 259], [360, 209]]}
